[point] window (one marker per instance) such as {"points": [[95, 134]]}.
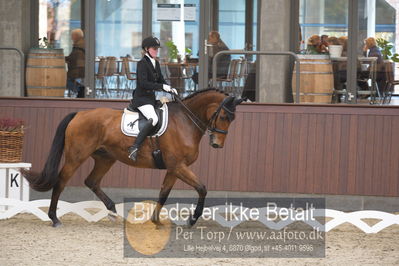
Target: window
{"points": [[182, 29], [119, 28], [57, 18]]}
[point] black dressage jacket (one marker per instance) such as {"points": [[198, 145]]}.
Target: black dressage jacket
{"points": [[149, 80]]}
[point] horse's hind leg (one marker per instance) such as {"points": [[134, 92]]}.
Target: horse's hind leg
{"points": [[102, 164], [65, 174], [167, 185]]}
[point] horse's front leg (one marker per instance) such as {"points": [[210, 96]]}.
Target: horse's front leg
{"points": [[188, 177], [168, 182]]}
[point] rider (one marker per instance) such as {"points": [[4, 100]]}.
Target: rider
{"points": [[149, 79]]}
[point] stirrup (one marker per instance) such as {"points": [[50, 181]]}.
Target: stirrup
{"points": [[133, 151]]}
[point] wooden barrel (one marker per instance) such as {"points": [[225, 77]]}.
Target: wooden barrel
{"points": [[316, 79], [45, 73]]}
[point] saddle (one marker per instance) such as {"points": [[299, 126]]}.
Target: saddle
{"points": [[133, 121]]}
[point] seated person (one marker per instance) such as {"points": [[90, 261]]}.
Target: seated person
{"points": [[223, 60], [149, 80], [370, 49], [76, 64]]}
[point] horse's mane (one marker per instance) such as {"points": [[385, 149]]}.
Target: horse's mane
{"points": [[203, 91]]}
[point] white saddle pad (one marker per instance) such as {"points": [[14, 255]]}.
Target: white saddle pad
{"points": [[130, 122]]}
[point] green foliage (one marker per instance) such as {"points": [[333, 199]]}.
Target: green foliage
{"points": [[395, 58], [172, 50], [386, 50], [188, 51]]}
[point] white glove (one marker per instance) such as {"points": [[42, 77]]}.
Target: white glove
{"points": [[169, 89], [166, 88]]}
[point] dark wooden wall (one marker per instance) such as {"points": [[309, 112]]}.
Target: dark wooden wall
{"points": [[330, 149]]}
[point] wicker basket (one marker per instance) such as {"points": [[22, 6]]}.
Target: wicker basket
{"points": [[11, 144]]}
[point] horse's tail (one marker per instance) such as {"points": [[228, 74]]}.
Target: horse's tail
{"points": [[47, 179]]}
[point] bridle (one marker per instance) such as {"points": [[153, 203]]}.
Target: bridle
{"points": [[212, 122], [211, 125]]}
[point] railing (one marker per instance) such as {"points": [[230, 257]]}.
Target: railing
{"points": [[243, 52], [22, 73]]}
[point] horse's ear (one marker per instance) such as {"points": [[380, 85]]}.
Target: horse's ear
{"points": [[229, 99], [231, 102], [238, 101]]}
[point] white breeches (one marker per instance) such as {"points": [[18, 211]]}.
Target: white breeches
{"points": [[149, 112]]}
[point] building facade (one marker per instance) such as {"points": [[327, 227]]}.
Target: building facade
{"points": [[115, 28]]}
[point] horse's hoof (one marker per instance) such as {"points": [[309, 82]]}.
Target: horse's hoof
{"points": [[159, 226], [112, 216], [157, 223], [191, 221], [57, 224]]}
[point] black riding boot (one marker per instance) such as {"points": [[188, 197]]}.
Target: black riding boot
{"points": [[133, 150]]}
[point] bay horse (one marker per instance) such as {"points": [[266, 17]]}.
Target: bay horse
{"points": [[97, 133]]}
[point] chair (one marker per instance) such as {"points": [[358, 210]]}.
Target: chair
{"points": [[390, 83], [99, 76], [111, 77], [130, 78], [188, 71], [249, 89], [227, 83], [367, 78], [340, 93], [239, 83], [175, 76]]}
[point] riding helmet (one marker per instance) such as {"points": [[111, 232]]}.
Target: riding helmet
{"points": [[150, 42]]}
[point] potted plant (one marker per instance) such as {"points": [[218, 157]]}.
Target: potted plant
{"points": [[175, 71], [11, 140], [389, 58], [386, 50], [189, 52], [172, 51]]}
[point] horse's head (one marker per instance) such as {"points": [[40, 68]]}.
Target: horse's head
{"points": [[220, 118]]}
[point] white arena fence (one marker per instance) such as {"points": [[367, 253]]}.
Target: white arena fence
{"points": [[334, 218]]}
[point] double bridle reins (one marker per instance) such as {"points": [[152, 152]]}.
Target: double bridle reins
{"points": [[211, 125]]}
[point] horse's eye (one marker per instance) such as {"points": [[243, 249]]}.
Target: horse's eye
{"points": [[223, 118]]}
